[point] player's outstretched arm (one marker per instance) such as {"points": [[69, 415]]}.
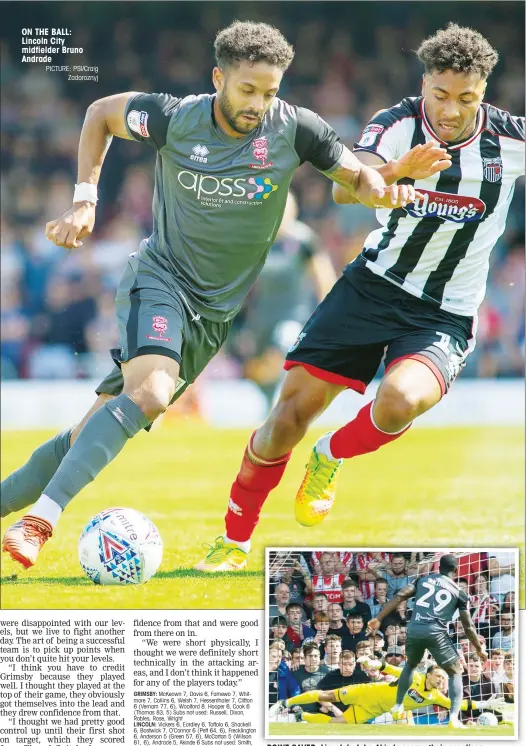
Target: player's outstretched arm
{"points": [[420, 162], [471, 634], [405, 593], [104, 118], [368, 186]]}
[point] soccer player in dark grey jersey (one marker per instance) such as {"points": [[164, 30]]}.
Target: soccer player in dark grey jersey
{"points": [[437, 597], [224, 165], [409, 299]]}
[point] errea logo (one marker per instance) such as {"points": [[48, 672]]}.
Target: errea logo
{"points": [[199, 153]]}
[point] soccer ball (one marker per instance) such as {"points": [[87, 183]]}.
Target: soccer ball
{"points": [[487, 718], [120, 546]]}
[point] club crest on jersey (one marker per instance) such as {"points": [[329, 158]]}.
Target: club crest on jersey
{"points": [[492, 169], [453, 207], [260, 153], [370, 134], [160, 326]]}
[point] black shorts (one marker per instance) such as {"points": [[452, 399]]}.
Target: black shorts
{"points": [[437, 642], [365, 319]]}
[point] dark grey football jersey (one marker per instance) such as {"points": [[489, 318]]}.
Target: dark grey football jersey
{"points": [[436, 600], [219, 200]]}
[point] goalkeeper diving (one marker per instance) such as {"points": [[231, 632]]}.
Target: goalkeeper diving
{"points": [[365, 702]]}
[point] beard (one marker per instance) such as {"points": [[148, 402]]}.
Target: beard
{"points": [[232, 117]]}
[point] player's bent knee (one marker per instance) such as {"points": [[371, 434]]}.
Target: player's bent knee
{"points": [[395, 408], [154, 394]]}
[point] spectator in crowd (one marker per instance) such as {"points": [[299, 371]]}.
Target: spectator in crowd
{"points": [[502, 574], [281, 599], [380, 596], [508, 605], [343, 562], [309, 675], [395, 573], [321, 625], [470, 564], [274, 659], [475, 685], [362, 674], [494, 668], [350, 603], [319, 602], [355, 632], [343, 676], [481, 599], [395, 630], [297, 658], [367, 579], [282, 683], [509, 677], [336, 624], [292, 571], [328, 581], [333, 649], [297, 632], [398, 618], [279, 631], [395, 655], [505, 637], [378, 643]]}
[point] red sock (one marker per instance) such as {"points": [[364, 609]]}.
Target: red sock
{"points": [[256, 478], [361, 436]]}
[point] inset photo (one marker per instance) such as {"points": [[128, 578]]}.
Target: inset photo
{"points": [[392, 643]]}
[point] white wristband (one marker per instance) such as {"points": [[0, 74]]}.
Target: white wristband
{"points": [[85, 192]]}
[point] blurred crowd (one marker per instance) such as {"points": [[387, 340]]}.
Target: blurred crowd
{"points": [[57, 308], [320, 602]]}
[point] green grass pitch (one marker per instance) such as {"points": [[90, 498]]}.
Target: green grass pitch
{"points": [[317, 730], [450, 487]]}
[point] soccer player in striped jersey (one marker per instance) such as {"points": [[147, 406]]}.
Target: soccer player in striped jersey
{"points": [[410, 299]]}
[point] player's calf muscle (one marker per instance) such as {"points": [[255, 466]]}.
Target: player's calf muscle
{"points": [[99, 402]]}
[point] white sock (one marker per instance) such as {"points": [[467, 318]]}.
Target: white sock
{"points": [[324, 446], [244, 545], [48, 509]]}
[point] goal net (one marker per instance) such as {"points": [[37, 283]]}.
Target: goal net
{"points": [[301, 578]]}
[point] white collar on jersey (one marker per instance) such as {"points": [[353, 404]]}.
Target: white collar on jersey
{"points": [[478, 129]]}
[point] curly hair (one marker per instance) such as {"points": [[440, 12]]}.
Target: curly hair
{"points": [[460, 49], [246, 41]]}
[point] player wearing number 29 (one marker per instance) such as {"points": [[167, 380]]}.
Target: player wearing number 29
{"points": [[411, 297], [437, 597], [224, 166]]}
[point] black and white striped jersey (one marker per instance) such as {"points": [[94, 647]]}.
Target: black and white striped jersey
{"points": [[438, 247]]}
